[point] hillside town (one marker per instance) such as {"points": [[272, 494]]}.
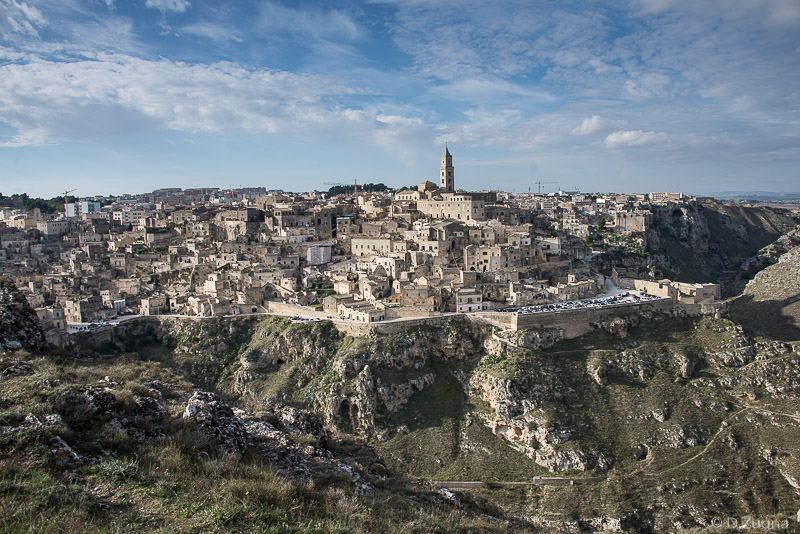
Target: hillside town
{"points": [[364, 255]]}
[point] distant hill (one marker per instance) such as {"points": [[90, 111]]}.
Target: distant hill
{"points": [[761, 196]]}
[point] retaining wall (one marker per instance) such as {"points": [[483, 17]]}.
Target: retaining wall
{"points": [[578, 322]]}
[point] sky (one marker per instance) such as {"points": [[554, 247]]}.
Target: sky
{"points": [[126, 96]]}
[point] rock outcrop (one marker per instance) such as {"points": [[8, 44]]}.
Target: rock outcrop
{"points": [[520, 407], [292, 441], [19, 326], [217, 422]]}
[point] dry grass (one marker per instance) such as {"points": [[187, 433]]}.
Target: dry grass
{"points": [[175, 483]]}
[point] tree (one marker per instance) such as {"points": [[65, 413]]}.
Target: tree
{"points": [[347, 189]]}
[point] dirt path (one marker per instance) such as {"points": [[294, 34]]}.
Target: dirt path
{"points": [[535, 481]]}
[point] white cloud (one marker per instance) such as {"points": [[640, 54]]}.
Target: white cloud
{"points": [[590, 125], [30, 12], [215, 32], [333, 24], [178, 6], [53, 101], [20, 18], [634, 138]]}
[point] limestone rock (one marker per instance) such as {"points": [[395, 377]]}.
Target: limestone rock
{"points": [[17, 368], [218, 422], [19, 326]]}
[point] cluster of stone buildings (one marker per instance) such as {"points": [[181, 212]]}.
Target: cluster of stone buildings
{"points": [[363, 257]]}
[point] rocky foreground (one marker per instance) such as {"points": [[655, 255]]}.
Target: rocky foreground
{"points": [[657, 423]]}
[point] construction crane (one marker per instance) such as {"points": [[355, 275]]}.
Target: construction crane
{"points": [[539, 183], [355, 184], [65, 200]]}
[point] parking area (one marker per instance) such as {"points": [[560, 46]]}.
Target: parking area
{"points": [[627, 297]]}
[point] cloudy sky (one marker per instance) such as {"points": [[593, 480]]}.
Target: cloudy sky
{"points": [[112, 96]]}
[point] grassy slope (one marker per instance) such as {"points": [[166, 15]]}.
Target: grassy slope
{"points": [[172, 483], [447, 440]]}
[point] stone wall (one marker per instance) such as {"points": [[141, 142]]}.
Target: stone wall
{"points": [[283, 308], [364, 329], [578, 322], [405, 313], [501, 319]]}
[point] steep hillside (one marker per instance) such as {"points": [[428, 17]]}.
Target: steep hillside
{"points": [[650, 423], [770, 303], [19, 327], [657, 421], [712, 241], [117, 442]]}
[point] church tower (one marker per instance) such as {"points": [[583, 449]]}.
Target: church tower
{"points": [[447, 181]]}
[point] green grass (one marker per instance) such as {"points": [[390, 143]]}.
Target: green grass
{"points": [[167, 485], [174, 483]]}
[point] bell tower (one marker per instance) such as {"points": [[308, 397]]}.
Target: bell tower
{"points": [[447, 181]]}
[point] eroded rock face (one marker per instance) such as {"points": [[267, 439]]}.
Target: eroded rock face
{"points": [[292, 441], [392, 398], [19, 326], [518, 418], [352, 396], [288, 346], [218, 422], [531, 339], [619, 326], [566, 461], [642, 365], [409, 350]]}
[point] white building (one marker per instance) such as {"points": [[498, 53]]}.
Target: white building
{"points": [[319, 254]]}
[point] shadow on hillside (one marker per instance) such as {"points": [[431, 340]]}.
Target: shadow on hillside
{"points": [[778, 319]]}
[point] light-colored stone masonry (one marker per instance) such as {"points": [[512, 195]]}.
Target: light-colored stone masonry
{"points": [[572, 323]]}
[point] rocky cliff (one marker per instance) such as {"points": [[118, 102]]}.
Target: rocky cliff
{"points": [[709, 240], [770, 304], [655, 414], [19, 327], [123, 441]]}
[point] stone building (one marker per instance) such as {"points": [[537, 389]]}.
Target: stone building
{"points": [[447, 180]]}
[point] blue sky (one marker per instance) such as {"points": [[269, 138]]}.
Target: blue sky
{"points": [[112, 96]]}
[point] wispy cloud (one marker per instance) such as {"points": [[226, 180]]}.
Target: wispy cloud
{"points": [[315, 23], [177, 6], [634, 138], [215, 32], [20, 17], [49, 101], [595, 124]]}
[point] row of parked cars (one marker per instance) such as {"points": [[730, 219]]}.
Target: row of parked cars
{"points": [[623, 298]]}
